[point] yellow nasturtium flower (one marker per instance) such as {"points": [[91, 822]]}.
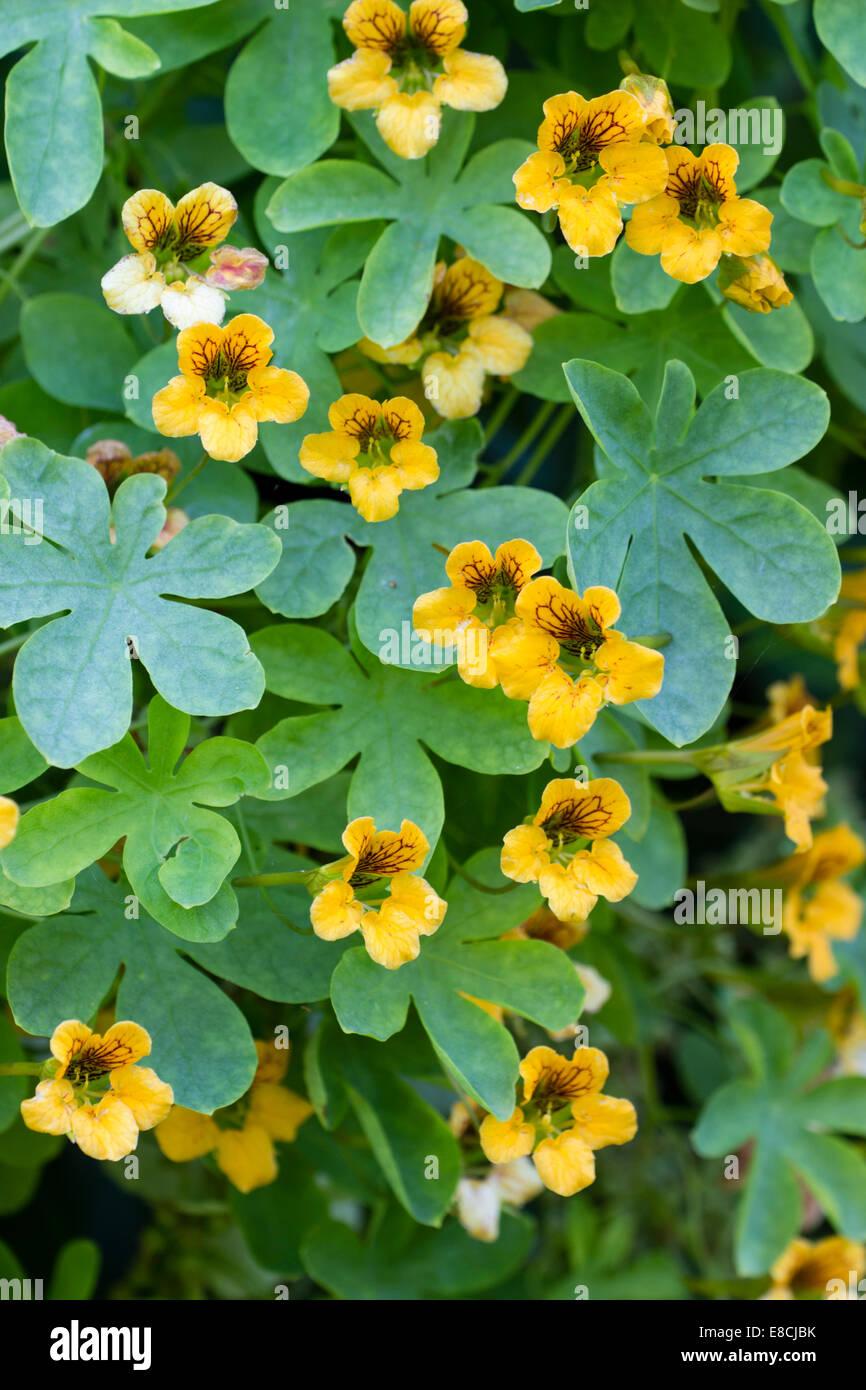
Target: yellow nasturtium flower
{"points": [[565, 657], [754, 282], [655, 100], [698, 217], [352, 898], [241, 1135], [562, 1120], [481, 598], [227, 387], [845, 626], [820, 908], [9, 817], [95, 1093], [832, 1267], [461, 339], [407, 69], [565, 848], [168, 266], [376, 449], [593, 156]]}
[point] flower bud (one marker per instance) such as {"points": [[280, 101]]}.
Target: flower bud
{"points": [[8, 431], [655, 99], [754, 282]]}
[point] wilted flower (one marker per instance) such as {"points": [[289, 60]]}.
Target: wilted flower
{"points": [[754, 282]]}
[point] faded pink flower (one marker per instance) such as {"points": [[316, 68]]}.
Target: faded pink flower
{"points": [[8, 431], [234, 269]]}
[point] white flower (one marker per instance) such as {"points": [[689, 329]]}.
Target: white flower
{"points": [[478, 1206], [186, 302], [134, 285], [479, 1202]]}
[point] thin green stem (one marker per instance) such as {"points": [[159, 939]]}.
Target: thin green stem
{"points": [[20, 1068], [798, 61], [646, 755], [13, 643], [277, 880], [184, 482], [518, 449], [506, 404], [23, 259]]}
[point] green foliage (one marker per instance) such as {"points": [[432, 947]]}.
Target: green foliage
{"points": [[792, 1130]]}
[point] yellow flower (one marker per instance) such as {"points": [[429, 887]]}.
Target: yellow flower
{"points": [[832, 1267], [96, 1094], [566, 851], [593, 156], [562, 1120], [484, 588], [227, 387], [460, 340], [9, 817], [564, 657], [820, 908], [655, 100], [391, 926], [847, 624], [699, 217], [241, 1135], [169, 243], [375, 448], [407, 68], [754, 282]]}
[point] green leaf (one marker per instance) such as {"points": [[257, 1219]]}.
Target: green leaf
{"points": [[841, 26], [423, 200], [20, 761], [387, 716], [78, 350], [277, 1218], [397, 1261], [176, 852], [73, 677], [406, 562], [775, 558], [76, 1270], [403, 1131], [54, 138], [782, 1123], [683, 46], [292, 53], [466, 956], [839, 267], [64, 968], [638, 343], [13, 1089]]}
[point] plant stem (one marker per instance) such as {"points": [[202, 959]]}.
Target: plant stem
{"points": [[184, 482], [504, 408], [517, 450], [22, 260], [646, 755], [797, 60], [20, 1068], [272, 880]]}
